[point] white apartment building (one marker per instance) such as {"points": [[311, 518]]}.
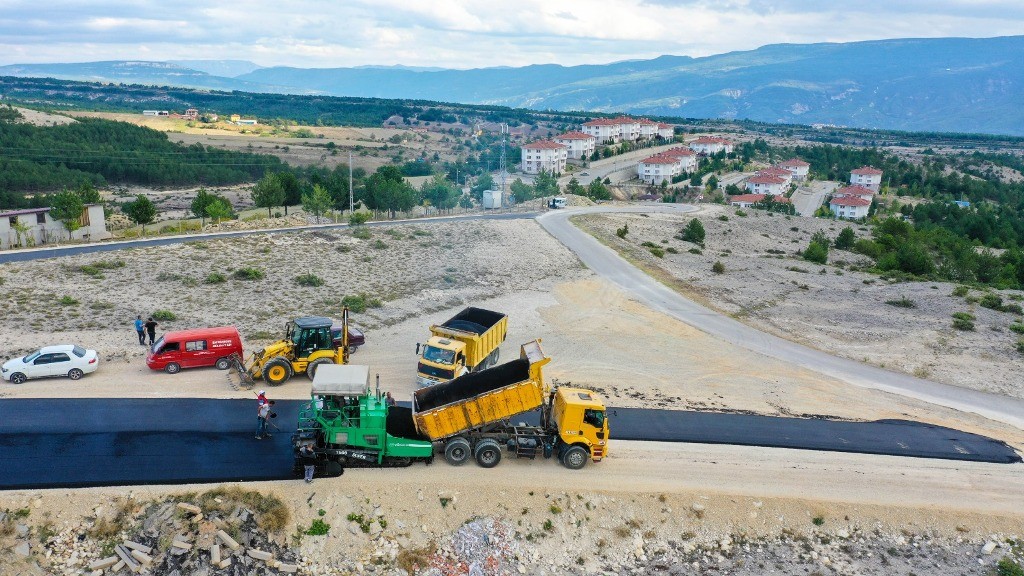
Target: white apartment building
{"points": [[603, 129], [579, 145], [851, 207], [711, 145], [666, 131], [797, 167], [687, 158], [868, 177], [765, 184], [648, 129], [658, 168], [544, 155]]}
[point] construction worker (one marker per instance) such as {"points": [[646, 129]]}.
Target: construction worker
{"points": [[308, 458], [389, 399], [261, 398], [261, 416]]}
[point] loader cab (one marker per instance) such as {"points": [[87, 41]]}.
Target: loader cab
{"points": [[309, 334], [581, 419]]}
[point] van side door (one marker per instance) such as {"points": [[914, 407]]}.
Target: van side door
{"points": [[197, 353]]}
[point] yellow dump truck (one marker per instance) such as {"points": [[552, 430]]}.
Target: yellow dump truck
{"points": [[466, 342], [470, 415]]}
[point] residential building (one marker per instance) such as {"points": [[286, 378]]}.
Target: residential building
{"points": [[868, 177], [579, 145], [544, 155], [748, 200], [629, 128], [155, 113], [711, 145], [765, 185], [786, 175], [192, 114], [40, 228], [849, 206], [797, 167], [603, 129], [855, 192], [658, 168], [687, 158], [666, 131], [648, 129]]}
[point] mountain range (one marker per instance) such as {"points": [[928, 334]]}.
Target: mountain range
{"points": [[940, 84]]}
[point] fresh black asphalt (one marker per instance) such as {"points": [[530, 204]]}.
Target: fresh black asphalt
{"points": [[50, 443], [57, 251]]}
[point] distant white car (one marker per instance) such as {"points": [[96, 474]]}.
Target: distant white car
{"points": [[63, 360]]}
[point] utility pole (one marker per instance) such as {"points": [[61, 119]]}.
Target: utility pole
{"points": [[351, 200]]}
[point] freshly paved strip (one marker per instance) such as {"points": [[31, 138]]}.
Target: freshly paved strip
{"points": [[47, 443], [57, 251]]}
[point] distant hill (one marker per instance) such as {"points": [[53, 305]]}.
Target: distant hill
{"points": [[226, 68], [942, 84]]}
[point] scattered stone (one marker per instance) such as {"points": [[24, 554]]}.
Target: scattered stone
{"points": [[215, 554], [23, 549], [126, 557], [227, 540], [181, 545], [288, 568], [190, 508], [698, 508], [988, 548], [136, 546], [117, 567], [260, 554], [224, 563], [21, 530], [104, 563], [142, 557]]}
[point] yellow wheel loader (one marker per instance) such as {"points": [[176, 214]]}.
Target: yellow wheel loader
{"points": [[307, 344]]}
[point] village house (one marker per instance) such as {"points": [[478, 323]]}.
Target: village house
{"points": [[797, 167], [765, 184], [579, 146], [544, 155], [37, 227], [868, 177], [748, 200], [709, 145], [850, 207]]}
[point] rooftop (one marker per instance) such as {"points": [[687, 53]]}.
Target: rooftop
{"points": [[575, 135], [543, 145], [866, 171], [850, 201], [765, 179]]}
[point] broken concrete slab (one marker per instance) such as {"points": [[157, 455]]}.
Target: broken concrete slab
{"points": [[104, 563], [142, 557], [136, 546], [227, 540], [260, 554], [190, 508]]}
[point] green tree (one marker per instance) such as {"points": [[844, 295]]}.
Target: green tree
{"points": [[693, 232], [845, 239], [317, 202], [268, 193], [545, 184], [712, 182], [817, 250], [574, 187], [465, 202], [219, 209], [142, 211], [521, 190], [695, 180], [88, 193], [440, 192], [596, 190], [67, 208], [483, 183], [292, 189], [199, 204]]}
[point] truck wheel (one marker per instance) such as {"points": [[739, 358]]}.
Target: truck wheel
{"points": [[457, 451], [575, 457], [277, 371], [223, 364], [487, 453], [172, 368], [495, 355], [311, 369]]}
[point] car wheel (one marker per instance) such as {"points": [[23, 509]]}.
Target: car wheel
{"points": [[352, 349], [18, 378], [223, 364], [172, 368], [75, 374]]}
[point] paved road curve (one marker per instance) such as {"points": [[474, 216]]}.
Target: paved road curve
{"points": [[607, 264], [47, 443]]}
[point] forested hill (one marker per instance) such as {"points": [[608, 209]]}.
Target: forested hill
{"points": [[101, 152]]}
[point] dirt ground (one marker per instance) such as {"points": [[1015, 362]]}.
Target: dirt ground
{"points": [[835, 307]]}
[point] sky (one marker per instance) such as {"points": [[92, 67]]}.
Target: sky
{"points": [[467, 33]]}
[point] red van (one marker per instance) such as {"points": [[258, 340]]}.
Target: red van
{"points": [[195, 348]]}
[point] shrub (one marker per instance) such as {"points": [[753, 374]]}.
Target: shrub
{"points": [[358, 218], [318, 528], [1011, 308], [361, 233], [248, 273], [845, 239], [961, 324], [621, 232], [693, 232], [164, 316], [991, 301], [657, 252], [67, 301], [816, 252], [723, 218], [360, 302], [671, 250], [960, 291], [818, 520], [741, 213], [903, 302], [964, 316], [380, 245], [309, 279], [718, 267], [1018, 328], [1020, 345], [694, 251], [1008, 566], [215, 278]]}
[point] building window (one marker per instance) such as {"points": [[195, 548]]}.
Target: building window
{"points": [[41, 218], [14, 221]]}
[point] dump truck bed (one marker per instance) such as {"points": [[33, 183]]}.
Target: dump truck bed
{"points": [[481, 330], [481, 398]]}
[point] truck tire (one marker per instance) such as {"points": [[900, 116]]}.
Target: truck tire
{"points": [[223, 363], [457, 451], [487, 453], [311, 369], [277, 371], [575, 457]]}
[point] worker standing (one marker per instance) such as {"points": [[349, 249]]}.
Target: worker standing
{"points": [[140, 327], [389, 399], [261, 416], [308, 458]]}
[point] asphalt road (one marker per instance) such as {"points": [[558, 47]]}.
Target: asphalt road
{"points": [[57, 251], [48, 443], [604, 262]]}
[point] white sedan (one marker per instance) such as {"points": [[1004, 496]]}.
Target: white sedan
{"points": [[63, 360]]}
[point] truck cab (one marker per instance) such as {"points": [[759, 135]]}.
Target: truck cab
{"points": [[580, 417], [441, 360]]}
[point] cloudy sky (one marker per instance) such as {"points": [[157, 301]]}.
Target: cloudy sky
{"points": [[467, 33]]}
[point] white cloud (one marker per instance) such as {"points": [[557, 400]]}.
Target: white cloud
{"points": [[468, 33]]}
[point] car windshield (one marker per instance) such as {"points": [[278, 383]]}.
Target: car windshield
{"points": [[158, 344], [79, 351], [30, 357], [439, 355]]}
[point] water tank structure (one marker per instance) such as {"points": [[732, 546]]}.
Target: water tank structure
{"points": [[492, 199]]}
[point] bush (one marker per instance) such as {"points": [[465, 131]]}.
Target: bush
{"points": [[657, 252], [741, 213], [380, 245], [67, 301], [845, 239], [991, 301], [1018, 328], [816, 252], [961, 324], [693, 232], [723, 218], [215, 278], [960, 291], [361, 233], [318, 528], [718, 267], [903, 302], [1007, 566], [164, 316], [694, 251], [309, 279], [248, 273], [360, 302], [1011, 308], [964, 316], [1020, 345], [621, 232]]}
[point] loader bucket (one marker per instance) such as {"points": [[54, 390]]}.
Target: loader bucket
{"points": [[239, 375]]}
